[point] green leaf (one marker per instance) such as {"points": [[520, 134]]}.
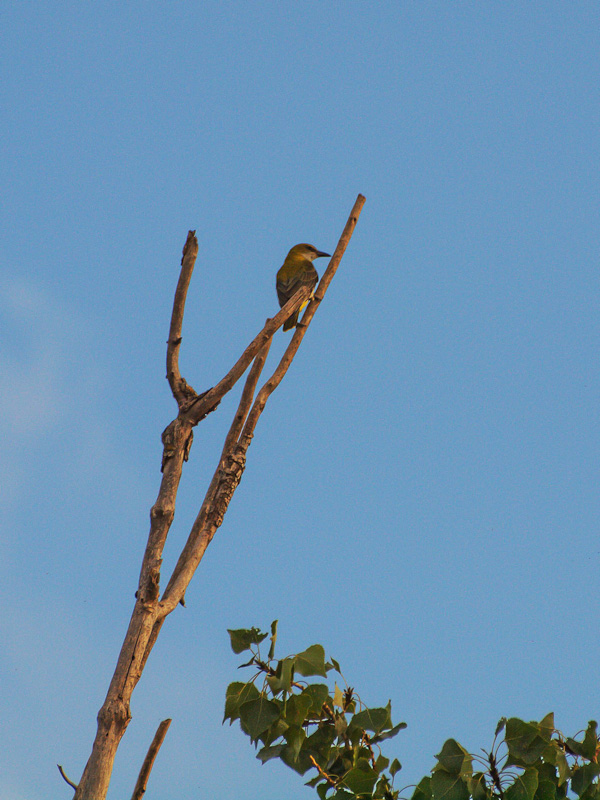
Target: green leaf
{"points": [[273, 639], [300, 763], [524, 742], [524, 786], [591, 793], [500, 726], [587, 748], [314, 781], [297, 708], [322, 790], [257, 716], [318, 744], [372, 719], [583, 777], [243, 638], [547, 782], [388, 734], [423, 790], [547, 726], [237, 694], [454, 759], [267, 753], [277, 729], [360, 779], [342, 794], [284, 675], [382, 788], [564, 770], [294, 737], [550, 752], [311, 661], [381, 763], [546, 790], [340, 724], [338, 698], [335, 665], [318, 693], [448, 787], [478, 787], [395, 767]]}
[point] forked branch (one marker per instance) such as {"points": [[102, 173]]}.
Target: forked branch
{"points": [[149, 611]]}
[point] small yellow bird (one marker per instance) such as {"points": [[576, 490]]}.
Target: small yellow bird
{"points": [[297, 271]]}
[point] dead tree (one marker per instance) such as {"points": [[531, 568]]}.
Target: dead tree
{"points": [[151, 609]]}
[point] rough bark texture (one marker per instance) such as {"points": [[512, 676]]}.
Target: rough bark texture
{"points": [[150, 610]]}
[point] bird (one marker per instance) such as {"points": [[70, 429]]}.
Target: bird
{"points": [[297, 271]]}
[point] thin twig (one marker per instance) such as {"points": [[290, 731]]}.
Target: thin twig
{"points": [[67, 780], [142, 781], [322, 772]]}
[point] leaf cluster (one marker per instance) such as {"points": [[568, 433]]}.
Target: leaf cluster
{"points": [[533, 761], [308, 725]]}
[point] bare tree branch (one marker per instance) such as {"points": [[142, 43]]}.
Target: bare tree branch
{"points": [[142, 781], [246, 398], [181, 391], [177, 585], [208, 401], [149, 612], [231, 466], [274, 381]]}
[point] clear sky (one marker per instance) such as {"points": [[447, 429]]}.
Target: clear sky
{"points": [[422, 493]]}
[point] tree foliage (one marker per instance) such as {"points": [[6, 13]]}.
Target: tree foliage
{"points": [[312, 726], [533, 761]]}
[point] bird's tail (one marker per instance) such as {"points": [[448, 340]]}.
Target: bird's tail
{"points": [[291, 321]]}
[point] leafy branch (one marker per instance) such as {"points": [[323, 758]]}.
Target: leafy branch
{"points": [[534, 761], [310, 726]]}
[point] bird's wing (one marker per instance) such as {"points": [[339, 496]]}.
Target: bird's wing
{"points": [[287, 288]]}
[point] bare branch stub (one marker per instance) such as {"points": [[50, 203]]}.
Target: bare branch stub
{"points": [[182, 391], [142, 781]]}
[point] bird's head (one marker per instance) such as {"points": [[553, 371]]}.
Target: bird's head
{"points": [[305, 251]]}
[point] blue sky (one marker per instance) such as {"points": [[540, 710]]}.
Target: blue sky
{"points": [[422, 493]]}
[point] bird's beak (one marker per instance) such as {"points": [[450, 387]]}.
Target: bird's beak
{"points": [[323, 255]]}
